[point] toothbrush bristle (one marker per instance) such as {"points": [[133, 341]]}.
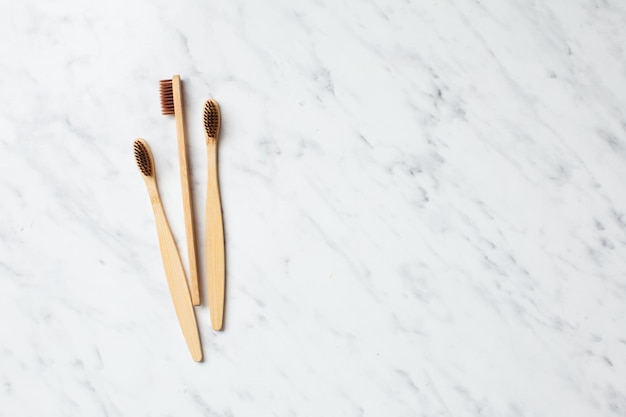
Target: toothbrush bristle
{"points": [[167, 97], [142, 156], [211, 118]]}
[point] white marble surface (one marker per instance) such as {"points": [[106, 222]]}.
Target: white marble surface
{"points": [[424, 203]]}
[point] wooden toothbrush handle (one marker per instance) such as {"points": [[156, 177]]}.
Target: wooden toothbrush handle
{"points": [[186, 189], [214, 242], [176, 280]]}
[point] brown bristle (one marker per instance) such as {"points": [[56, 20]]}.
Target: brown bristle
{"points": [[211, 118], [167, 97], [142, 156]]}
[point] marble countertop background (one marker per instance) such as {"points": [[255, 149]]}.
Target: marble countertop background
{"points": [[424, 207]]}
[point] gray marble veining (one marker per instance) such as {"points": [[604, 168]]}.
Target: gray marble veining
{"points": [[423, 202]]}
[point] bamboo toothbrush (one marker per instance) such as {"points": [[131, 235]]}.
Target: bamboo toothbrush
{"points": [[214, 225], [172, 103], [172, 264]]}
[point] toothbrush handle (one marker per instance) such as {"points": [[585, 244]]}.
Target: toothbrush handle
{"points": [[214, 241], [176, 280], [186, 189]]}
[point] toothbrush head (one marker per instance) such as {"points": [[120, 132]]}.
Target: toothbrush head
{"points": [[211, 120], [167, 97], [143, 156]]}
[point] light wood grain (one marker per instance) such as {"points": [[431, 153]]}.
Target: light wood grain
{"points": [[186, 189], [214, 241], [174, 271]]}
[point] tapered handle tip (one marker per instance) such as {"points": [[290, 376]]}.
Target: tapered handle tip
{"points": [[216, 310]]}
